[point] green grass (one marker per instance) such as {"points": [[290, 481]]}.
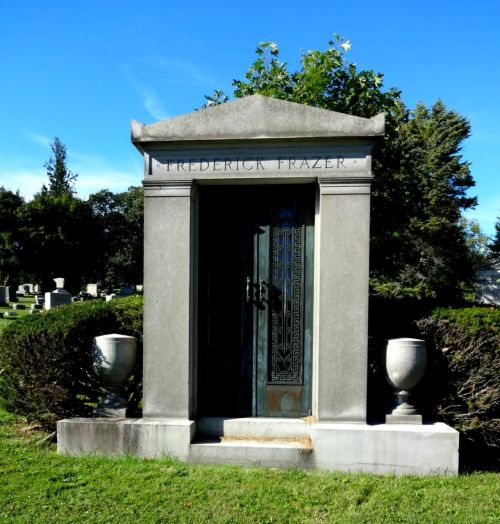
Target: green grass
{"points": [[27, 301], [37, 485]]}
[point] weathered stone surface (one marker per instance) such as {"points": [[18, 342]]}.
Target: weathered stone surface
{"points": [[257, 117], [382, 449], [57, 298]]}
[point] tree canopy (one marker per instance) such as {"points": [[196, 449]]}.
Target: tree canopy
{"points": [[61, 179], [10, 203], [420, 184]]}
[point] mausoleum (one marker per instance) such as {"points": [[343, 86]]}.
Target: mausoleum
{"points": [[257, 225]]}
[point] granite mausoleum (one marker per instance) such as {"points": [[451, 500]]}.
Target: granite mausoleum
{"points": [[257, 217]]}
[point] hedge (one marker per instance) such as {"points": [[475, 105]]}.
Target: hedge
{"points": [[462, 384], [46, 369]]}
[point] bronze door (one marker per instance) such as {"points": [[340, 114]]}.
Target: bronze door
{"points": [[255, 301]]}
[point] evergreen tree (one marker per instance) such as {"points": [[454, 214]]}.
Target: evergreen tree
{"points": [[495, 245], [420, 182], [61, 179]]}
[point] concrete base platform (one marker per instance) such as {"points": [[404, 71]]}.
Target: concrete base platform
{"points": [[428, 449]]}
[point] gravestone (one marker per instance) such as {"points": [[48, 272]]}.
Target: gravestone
{"points": [[12, 294], [256, 222], [39, 300], [58, 297], [19, 306], [4, 296], [126, 291], [92, 289]]}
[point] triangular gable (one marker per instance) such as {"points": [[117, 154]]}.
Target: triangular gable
{"points": [[255, 117]]}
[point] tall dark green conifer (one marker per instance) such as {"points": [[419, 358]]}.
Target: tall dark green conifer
{"points": [[61, 179], [420, 181]]}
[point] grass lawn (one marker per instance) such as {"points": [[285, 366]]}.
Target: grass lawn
{"points": [[27, 301], [37, 485]]}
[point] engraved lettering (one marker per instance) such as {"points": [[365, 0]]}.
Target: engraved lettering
{"points": [[227, 164], [259, 163], [291, 162], [304, 162], [340, 161], [328, 162], [315, 165], [180, 165], [204, 164], [192, 164], [216, 163], [280, 161], [244, 164]]}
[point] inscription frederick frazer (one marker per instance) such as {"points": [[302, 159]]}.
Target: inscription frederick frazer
{"points": [[200, 165]]}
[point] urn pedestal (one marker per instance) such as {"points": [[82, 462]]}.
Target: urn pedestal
{"points": [[405, 361], [114, 358]]}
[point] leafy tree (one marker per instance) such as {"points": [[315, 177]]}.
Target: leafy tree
{"points": [[495, 245], [10, 203], [61, 179], [121, 218], [58, 238], [419, 246]]}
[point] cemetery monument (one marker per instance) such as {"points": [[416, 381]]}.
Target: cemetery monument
{"points": [[257, 217]]}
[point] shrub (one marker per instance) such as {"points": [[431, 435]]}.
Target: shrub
{"points": [[45, 360], [462, 386]]}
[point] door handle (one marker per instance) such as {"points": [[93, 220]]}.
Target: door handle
{"points": [[247, 297], [262, 290]]}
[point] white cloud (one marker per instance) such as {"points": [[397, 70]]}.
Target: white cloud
{"points": [[40, 139], [28, 182], [185, 71], [154, 105], [152, 102]]}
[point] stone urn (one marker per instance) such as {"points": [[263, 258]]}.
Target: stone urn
{"points": [[405, 361], [114, 358]]}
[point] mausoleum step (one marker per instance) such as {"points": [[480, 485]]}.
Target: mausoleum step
{"points": [[284, 453], [258, 428]]}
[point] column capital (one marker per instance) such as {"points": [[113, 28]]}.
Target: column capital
{"points": [[167, 188], [345, 186]]}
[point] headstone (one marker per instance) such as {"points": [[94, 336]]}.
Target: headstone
{"points": [[112, 296], [58, 297], [4, 296], [36, 306], [139, 288], [92, 289], [28, 288], [126, 291], [39, 300], [12, 294], [19, 306], [37, 288], [10, 314]]}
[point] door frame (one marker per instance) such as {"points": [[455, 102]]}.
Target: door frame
{"points": [[261, 386]]}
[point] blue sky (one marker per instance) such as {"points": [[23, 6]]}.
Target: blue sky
{"points": [[82, 70]]}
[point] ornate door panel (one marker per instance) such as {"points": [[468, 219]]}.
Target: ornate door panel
{"points": [[255, 339]]}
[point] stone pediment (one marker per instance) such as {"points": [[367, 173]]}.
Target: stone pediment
{"points": [[257, 117]]}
